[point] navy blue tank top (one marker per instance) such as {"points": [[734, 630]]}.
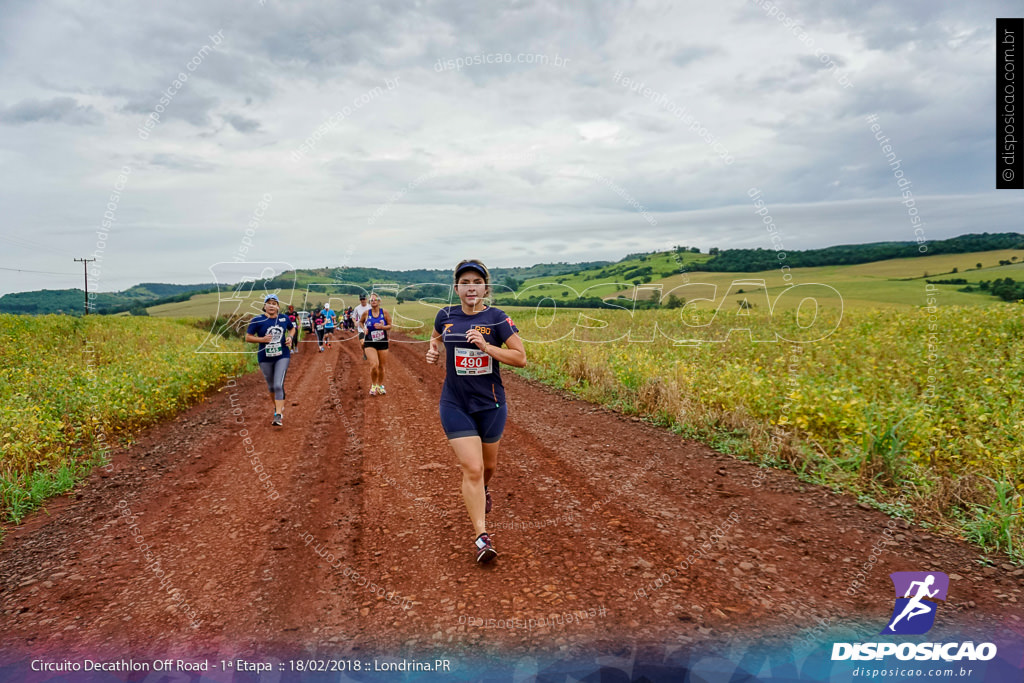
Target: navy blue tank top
{"points": [[373, 335]]}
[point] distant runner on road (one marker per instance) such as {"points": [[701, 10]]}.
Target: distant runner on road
{"points": [[330, 318], [318, 328], [472, 406], [270, 331], [376, 322], [357, 315], [293, 317]]}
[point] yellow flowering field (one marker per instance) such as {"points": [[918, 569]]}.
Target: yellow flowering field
{"points": [[878, 402], [71, 385]]}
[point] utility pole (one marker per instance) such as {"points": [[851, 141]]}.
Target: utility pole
{"points": [[85, 268]]}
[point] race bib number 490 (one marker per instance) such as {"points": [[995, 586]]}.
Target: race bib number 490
{"points": [[376, 335], [472, 362]]}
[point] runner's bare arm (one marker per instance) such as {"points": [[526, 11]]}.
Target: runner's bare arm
{"points": [[433, 353], [514, 355], [387, 321]]}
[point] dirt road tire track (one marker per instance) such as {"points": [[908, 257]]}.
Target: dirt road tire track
{"points": [[590, 507]]}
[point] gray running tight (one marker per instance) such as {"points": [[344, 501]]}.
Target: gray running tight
{"points": [[274, 374]]}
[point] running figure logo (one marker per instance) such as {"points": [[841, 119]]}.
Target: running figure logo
{"points": [[914, 612]]}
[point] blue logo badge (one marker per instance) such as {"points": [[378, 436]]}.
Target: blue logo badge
{"points": [[914, 612]]}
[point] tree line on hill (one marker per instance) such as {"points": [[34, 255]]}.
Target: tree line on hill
{"points": [[563, 301], [134, 300], [1005, 288], [756, 260], [320, 279]]}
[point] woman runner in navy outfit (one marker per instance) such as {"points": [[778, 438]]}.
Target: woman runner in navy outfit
{"points": [[377, 322], [472, 407], [270, 331]]}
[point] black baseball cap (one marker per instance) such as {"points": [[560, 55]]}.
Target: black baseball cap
{"points": [[472, 264]]}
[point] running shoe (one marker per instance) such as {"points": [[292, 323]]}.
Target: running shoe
{"points": [[380, 389], [484, 549], [277, 419], [373, 390], [321, 349], [490, 504]]}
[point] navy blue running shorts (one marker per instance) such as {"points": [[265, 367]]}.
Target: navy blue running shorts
{"points": [[487, 424]]}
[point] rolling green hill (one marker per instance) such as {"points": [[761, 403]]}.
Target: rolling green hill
{"points": [[72, 301], [636, 268], [753, 260], [894, 283], [861, 275], [883, 284], [316, 277], [326, 281]]}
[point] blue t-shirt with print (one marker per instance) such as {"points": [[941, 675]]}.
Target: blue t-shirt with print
{"points": [[472, 378], [261, 326], [329, 317]]}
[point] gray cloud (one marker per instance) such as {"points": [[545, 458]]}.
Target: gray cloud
{"points": [[815, 64], [57, 109], [241, 123], [693, 53], [180, 163], [187, 105], [895, 27]]}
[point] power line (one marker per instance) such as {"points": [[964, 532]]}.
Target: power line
{"points": [[44, 272], [30, 245]]}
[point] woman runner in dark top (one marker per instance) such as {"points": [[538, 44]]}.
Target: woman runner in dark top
{"points": [[270, 331], [377, 322], [472, 406]]}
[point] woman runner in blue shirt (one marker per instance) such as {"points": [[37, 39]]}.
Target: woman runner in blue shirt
{"points": [[270, 331], [472, 406]]}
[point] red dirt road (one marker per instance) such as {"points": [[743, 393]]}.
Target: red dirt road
{"points": [[590, 508]]}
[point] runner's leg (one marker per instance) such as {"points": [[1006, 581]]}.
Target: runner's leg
{"points": [[490, 425], [490, 454], [371, 354], [280, 368], [268, 374], [383, 355], [470, 456]]}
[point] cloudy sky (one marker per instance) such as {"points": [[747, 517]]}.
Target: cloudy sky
{"points": [[368, 143]]}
